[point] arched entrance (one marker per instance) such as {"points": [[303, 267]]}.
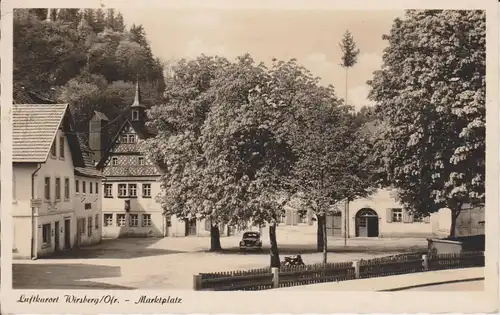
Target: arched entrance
{"points": [[366, 223]]}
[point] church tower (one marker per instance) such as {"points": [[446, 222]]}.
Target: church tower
{"points": [[138, 110]]}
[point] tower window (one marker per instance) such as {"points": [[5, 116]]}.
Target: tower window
{"points": [[135, 114]]}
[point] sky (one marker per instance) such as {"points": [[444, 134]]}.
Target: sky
{"points": [[310, 36]]}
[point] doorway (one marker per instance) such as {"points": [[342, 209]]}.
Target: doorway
{"points": [[56, 236], [67, 234], [367, 223], [190, 225]]}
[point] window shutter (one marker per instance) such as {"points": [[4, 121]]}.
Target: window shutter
{"points": [[406, 216], [389, 215]]}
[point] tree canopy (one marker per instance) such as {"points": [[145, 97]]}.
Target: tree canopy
{"points": [[430, 94], [87, 58]]}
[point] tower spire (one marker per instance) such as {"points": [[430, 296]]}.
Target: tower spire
{"points": [[137, 98]]}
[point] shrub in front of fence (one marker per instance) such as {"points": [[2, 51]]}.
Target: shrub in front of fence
{"points": [[287, 276]]}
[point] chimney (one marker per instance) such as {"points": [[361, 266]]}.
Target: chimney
{"points": [[98, 135]]}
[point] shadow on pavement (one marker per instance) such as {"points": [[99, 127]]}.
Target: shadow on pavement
{"points": [[122, 248], [63, 276], [311, 249]]}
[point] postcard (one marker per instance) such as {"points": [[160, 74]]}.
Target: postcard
{"points": [[249, 156]]}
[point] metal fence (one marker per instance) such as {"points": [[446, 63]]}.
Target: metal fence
{"points": [[268, 278]]}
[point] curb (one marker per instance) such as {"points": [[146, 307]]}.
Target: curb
{"points": [[432, 284]]}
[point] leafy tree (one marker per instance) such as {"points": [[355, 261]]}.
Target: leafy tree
{"points": [[430, 94], [179, 122], [244, 148], [349, 57], [46, 54]]}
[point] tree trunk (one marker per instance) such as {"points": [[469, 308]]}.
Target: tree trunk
{"points": [[275, 256], [319, 235], [215, 238], [454, 215], [325, 241]]}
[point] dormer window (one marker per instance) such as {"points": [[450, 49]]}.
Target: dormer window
{"points": [[124, 138], [131, 138], [135, 115]]}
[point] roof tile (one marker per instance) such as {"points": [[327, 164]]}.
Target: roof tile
{"points": [[34, 129]]}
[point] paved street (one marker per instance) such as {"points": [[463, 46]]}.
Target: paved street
{"points": [[170, 263]]}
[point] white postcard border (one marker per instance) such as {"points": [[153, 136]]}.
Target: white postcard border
{"points": [[263, 301]]}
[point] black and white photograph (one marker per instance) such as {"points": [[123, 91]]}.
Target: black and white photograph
{"points": [[268, 150]]}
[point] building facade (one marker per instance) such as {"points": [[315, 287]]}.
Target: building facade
{"points": [[379, 215], [46, 159], [132, 181]]}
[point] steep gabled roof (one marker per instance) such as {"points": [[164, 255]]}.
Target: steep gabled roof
{"points": [[34, 128]]}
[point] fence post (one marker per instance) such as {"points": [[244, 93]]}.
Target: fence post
{"points": [[355, 264], [196, 282], [276, 277], [425, 262]]}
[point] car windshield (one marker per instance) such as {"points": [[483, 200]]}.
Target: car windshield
{"points": [[251, 235]]}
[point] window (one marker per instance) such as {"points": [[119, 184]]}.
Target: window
{"points": [[82, 226], [120, 219], [124, 138], [108, 190], [134, 220], [114, 161], [397, 215], [46, 237], [84, 187], [66, 188], [108, 219], [135, 115], [131, 138], [146, 190], [88, 206], [97, 188], [122, 190], [61, 147], [132, 190], [53, 151], [58, 188], [77, 186], [90, 225], [146, 220], [91, 188], [96, 221], [141, 160], [47, 188]]}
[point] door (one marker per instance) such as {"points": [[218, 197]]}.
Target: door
{"points": [[56, 236], [372, 228], [190, 227], [337, 224], [67, 234], [361, 230], [78, 240]]}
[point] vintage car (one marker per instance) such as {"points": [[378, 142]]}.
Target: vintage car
{"points": [[251, 241]]}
